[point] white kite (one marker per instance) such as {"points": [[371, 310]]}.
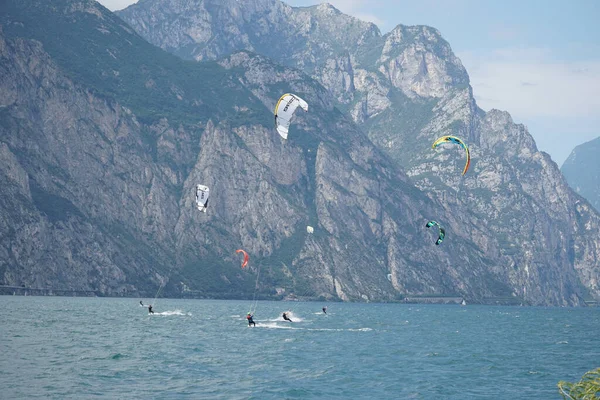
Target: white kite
{"points": [[284, 111], [202, 193]]}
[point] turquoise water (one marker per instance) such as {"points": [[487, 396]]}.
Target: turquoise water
{"points": [[87, 348]]}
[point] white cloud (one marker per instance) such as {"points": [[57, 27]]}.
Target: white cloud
{"points": [[529, 83]]}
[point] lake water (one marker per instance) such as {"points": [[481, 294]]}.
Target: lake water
{"points": [[87, 348]]}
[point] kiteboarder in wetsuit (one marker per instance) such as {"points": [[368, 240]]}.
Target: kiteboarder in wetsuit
{"points": [[149, 307], [324, 310], [285, 316], [250, 320]]}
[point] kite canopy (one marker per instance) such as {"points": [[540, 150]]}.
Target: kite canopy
{"points": [[284, 111], [202, 193], [442, 231], [245, 259], [455, 140]]}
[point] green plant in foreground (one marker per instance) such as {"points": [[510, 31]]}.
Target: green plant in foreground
{"points": [[588, 388]]}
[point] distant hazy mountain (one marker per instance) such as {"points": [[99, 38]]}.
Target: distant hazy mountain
{"points": [[582, 170], [103, 138]]}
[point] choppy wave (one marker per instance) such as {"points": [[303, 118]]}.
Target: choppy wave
{"points": [[171, 312], [300, 328], [362, 351]]}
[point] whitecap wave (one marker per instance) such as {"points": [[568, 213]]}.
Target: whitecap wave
{"points": [[171, 312], [299, 328]]}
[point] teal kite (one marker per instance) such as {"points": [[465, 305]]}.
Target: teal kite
{"points": [[442, 231]]}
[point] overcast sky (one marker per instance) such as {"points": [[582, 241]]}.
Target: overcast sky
{"points": [[537, 59]]}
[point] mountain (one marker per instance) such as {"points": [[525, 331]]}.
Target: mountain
{"points": [[94, 184], [209, 29], [405, 89], [103, 138], [582, 171]]}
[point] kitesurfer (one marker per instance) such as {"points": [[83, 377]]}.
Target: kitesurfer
{"points": [[325, 310], [250, 320], [286, 317], [149, 307]]}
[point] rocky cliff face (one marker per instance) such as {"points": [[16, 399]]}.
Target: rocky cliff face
{"points": [[513, 194], [405, 89], [582, 171], [95, 192], [369, 217], [62, 215], [209, 29], [101, 199], [101, 156]]}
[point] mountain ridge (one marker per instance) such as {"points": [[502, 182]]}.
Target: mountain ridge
{"points": [[147, 167], [581, 171], [414, 89], [129, 169]]}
